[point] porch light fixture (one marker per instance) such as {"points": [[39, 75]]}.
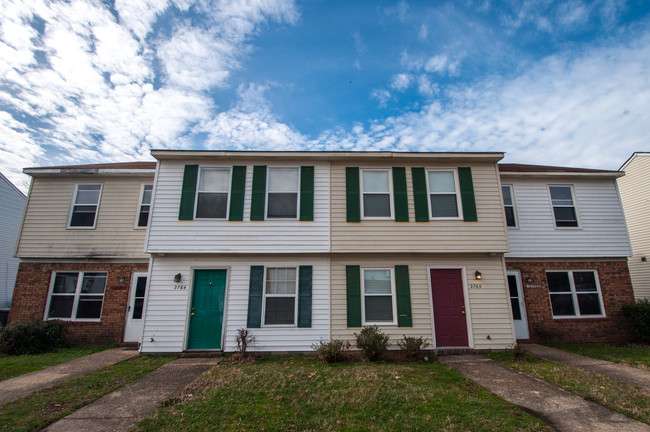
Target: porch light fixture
{"points": [[529, 279], [178, 277], [122, 279], [478, 275]]}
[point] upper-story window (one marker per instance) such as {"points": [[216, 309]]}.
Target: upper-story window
{"points": [[444, 200], [378, 289], [145, 206], [83, 213], [212, 193], [375, 189], [509, 205], [282, 193], [574, 293], [564, 209], [76, 295]]}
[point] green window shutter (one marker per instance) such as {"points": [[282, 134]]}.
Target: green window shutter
{"points": [[403, 288], [237, 187], [304, 296], [307, 193], [258, 197], [353, 205], [353, 286], [400, 194], [467, 194], [255, 287], [188, 192], [420, 199]]}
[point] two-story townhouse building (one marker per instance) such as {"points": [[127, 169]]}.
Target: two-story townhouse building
{"points": [[81, 250], [634, 189], [308, 246], [567, 265]]}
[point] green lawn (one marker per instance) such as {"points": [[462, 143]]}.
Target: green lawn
{"points": [[631, 354], [619, 396], [11, 366], [300, 394], [41, 408]]}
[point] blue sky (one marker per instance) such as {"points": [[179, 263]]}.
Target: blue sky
{"points": [[562, 83]]}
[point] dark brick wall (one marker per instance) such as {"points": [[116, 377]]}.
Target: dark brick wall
{"points": [[32, 286], [616, 290]]}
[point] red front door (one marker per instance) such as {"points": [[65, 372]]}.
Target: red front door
{"points": [[448, 308]]}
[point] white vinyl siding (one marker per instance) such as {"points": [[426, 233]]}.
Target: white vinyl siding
{"points": [[166, 308], [168, 234], [602, 231], [13, 203]]}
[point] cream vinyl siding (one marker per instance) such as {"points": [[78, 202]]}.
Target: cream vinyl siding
{"points": [[489, 306], [486, 235], [166, 308], [635, 195], [601, 232], [13, 203], [168, 234], [45, 234]]}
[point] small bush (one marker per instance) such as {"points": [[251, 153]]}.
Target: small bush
{"points": [[638, 314], [519, 353], [245, 339], [333, 351], [372, 342], [412, 347], [32, 337]]}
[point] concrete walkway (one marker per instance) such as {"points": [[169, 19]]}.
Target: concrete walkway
{"points": [[561, 409], [120, 410], [23, 385], [628, 374]]}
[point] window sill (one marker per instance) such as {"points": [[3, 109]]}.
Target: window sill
{"points": [[91, 320], [80, 228], [588, 317]]}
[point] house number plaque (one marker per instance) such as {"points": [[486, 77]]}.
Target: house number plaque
{"points": [[475, 286], [180, 287]]}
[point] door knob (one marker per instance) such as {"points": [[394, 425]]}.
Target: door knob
{"points": [[192, 314]]}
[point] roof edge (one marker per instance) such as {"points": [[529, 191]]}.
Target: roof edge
{"points": [[631, 158]]}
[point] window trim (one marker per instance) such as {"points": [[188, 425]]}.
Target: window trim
{"points": [[575, 206], [196, 193], [513, 205], [266, 194], [393, 293], [459, 203], [574, 294], [77, 293], [391, 198], [295, 296], [72, 204], [139, 208]]}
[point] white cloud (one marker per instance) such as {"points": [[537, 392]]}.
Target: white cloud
{"points": [[401, 82], [382, 95], [423, 33]]}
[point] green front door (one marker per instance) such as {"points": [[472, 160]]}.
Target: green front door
{"points": [[206, 313]]}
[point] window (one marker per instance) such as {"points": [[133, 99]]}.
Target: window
{"points": [[145, 205], [574, 293], [76, 295], [378, 300], [375, 185], [282, 194], [443, 194], [212, 193], [563, 206], [509, 205], [280, 296], [84, 206]]}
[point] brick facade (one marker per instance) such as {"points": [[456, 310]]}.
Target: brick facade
{"points": [[33, 284], [616, 290]]}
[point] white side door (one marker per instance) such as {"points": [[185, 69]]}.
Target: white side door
{"points": [[134, 316], [517, 305]]}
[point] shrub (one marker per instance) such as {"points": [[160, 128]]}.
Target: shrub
{"points": [[372, 342], [32, 337], [412, 347], [638, 314], [245, 339], [333, 351], [519, 353]]}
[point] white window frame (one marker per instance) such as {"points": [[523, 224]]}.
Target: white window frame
{"points": [[140, 204], [268, 185], [72, 205], [265, 295], [459, 204], [513, 205], [393, 295], [575, 206], [228, 191], [77, 294], [575, 294], [390, 194]]}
